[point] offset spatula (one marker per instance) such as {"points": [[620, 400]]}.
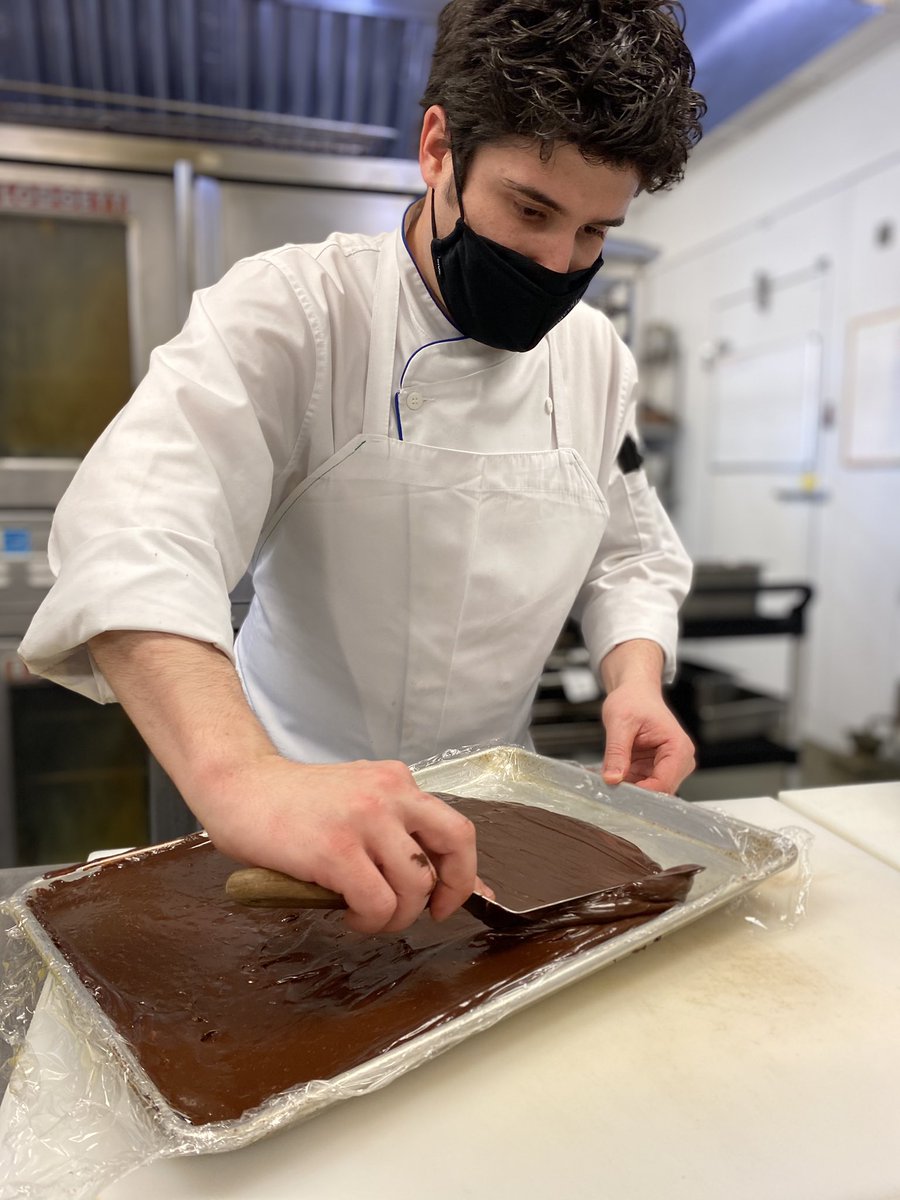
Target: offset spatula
{"points": [[263, 888]]}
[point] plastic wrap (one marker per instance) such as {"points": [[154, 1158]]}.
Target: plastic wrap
{"points": [[782, 903], [80, 1112]]}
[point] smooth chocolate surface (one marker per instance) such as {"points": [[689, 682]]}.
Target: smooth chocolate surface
{"points": [[225, 1006]]}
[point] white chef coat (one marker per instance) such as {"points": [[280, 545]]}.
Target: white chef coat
{"points": [[264, 384]]}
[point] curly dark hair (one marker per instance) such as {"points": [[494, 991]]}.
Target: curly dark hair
{"points": [[612, 77]]}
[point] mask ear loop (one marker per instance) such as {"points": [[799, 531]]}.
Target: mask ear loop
{"points": [[458, 184]]}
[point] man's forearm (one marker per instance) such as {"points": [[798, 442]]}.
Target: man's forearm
{"points": [[634, 661], [186, 701]]}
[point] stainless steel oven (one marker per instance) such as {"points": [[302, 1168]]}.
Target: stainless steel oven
{"points": [[87, 288], [75, 774], [102, 240]]}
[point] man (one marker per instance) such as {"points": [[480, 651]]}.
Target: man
{"points": [[425, 450]]}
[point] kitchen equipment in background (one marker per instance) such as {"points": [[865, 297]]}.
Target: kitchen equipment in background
{"points": [[565, 716], [733, 725], [87, 287], [721, 589], [715, 708], [102, 241], [25, 575], [66, 345], [77, 774], [73, 774]]}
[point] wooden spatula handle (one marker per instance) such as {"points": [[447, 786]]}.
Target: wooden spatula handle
{"points": [[262, 888]]}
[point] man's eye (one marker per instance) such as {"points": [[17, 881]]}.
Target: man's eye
{"points": [[530, 214], [595, 231]]}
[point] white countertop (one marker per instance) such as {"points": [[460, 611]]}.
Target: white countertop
{"points": [[724, 1061], [868, 815]]}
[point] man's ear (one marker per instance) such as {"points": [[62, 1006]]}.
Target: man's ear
{"points": [[434, 147]]}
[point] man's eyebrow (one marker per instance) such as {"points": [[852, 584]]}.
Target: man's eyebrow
{"points": [[547, 202]]}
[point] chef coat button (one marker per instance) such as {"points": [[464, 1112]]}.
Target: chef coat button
{"points": [[548, 406], [414, 400]]}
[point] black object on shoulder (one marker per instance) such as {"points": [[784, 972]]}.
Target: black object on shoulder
{"points": [[629, 457]]}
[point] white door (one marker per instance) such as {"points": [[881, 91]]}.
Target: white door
{"points": [[764, 415], [763, 420]]}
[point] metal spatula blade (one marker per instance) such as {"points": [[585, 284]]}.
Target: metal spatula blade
{"points": [[263, 888]]}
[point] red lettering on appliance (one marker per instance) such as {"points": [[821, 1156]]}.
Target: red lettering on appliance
{"points": [[70, 202]]}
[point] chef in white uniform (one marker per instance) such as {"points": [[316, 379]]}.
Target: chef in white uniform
{"points": [[424, 448]]}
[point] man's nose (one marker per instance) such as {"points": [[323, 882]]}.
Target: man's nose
{"points": [[561, 256]]}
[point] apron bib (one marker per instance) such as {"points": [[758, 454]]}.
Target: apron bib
{"points": [[407, 596]]}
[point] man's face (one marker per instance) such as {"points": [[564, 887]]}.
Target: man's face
{"points": [[556, 213]]}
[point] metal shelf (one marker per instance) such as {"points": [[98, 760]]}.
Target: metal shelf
{"points": [[738, 618], [744, 753], [751, 624]]}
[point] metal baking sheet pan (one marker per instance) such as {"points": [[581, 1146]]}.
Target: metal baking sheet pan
{"points": [[735, 856]]}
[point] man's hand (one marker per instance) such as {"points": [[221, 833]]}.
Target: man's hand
{"points": [[645, 744], [363, 829]]}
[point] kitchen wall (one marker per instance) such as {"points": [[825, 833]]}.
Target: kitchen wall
{"points": [[780, 240]]}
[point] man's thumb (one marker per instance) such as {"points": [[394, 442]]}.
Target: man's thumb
{"points": [[616, 761]]}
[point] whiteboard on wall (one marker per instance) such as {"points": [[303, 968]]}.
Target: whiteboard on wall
{"points": [[871, 424], [765, 405]]}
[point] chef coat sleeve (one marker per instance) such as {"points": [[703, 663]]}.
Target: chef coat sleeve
{"points": [[164, 513], [641, 573]]}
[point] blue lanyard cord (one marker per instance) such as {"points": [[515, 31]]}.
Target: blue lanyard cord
{"points": [[427, 346], [460, 338], [397, 414], [439, 342]]}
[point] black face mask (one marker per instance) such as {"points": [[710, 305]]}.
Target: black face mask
{"points": [[496, 295]]}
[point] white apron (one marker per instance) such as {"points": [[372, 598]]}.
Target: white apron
{"points": [[407, 596]]}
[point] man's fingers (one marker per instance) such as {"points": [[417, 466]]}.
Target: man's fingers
{"points": [[392, 850], [617, 756], [653, 784], [424, 855], [411, 875], [665, 772], [671, 767], [449, 839], [370, 899]]}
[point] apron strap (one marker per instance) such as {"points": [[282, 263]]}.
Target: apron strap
{"points": [[383, 338], [562, 424]]}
